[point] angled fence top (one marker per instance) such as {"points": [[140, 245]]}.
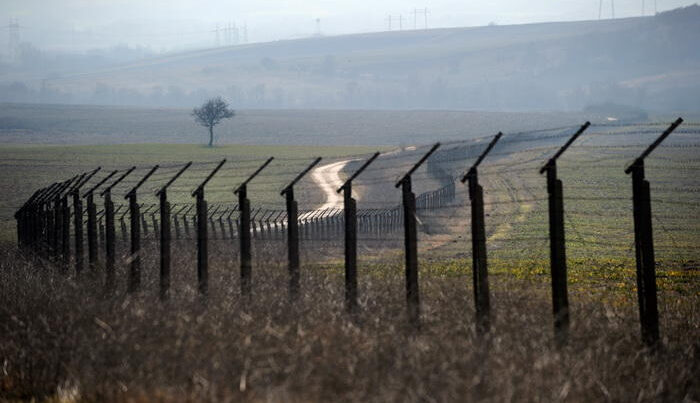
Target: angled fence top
{"points": [[418, 164], [301, 175], [655, 144], [174, 178], [132, 192], [201, 186], [359, 171], [85, 180], [100, 183], [116, 182], [563, 148], [250, 178], [481, 157]]}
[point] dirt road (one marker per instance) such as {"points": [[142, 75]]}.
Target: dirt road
{"points": [[328, 179]]}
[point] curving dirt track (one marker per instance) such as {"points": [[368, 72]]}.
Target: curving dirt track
{"points": [[328, 180]]}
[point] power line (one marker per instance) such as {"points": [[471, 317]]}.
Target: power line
{"points": [[420, 11], [13, 38], [227, 35], [612, 9]]}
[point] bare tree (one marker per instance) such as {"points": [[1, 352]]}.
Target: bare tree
{"points": [[211, 113]]}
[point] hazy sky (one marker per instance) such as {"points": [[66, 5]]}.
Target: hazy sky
{"points": [[173, 24]]}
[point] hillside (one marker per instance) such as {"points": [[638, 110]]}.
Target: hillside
{"points": [[647, 62]]}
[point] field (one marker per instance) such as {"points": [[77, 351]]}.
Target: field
{"points": [[66, 338], [29, 167], [82, 124]]}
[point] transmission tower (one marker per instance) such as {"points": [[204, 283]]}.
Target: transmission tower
{"points": [[390, 19], [236, 34], [420, 11], [13, 39], [612, 9], [318, 27]]}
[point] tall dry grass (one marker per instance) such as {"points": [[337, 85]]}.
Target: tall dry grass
{"points": [[63, 338]]}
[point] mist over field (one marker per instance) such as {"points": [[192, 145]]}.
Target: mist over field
{"points": [[644, 63]]}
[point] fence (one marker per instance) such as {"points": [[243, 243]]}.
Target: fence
{"points": [[45, 221]]}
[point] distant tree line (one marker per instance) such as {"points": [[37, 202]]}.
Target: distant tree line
{"points": [[506, 95]]}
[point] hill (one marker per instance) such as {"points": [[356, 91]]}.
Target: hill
{"points": [[646, 62]]}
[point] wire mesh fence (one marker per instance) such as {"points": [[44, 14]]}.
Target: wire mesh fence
{"points": [[597, 206]]}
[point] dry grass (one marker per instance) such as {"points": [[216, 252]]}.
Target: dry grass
{"points": [[63, 339]]}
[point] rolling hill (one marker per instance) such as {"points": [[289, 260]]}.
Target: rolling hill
{"points": [[646, 62]]}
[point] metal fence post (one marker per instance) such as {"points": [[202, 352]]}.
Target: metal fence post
{"points": [[411, 241], [56, 227], [50, 226], [30, 214], [202, 237], [479, 261], [557, 245], [135, 244], [245, 244], [65, 232], [58, 234], [110, 234], [350, 214], [37, 221], [644, 244], [78, 222], [411, 252], [93, 253], [23, 218], [92, 231], [109, 244], [78, 231], [293, 232], [245, 253], [292, 243], [165, 238], [165, 234], [134, 283], [47, 221], [350, 207]]}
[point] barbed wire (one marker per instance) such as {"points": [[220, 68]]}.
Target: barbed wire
{"points": [[510, 178]]}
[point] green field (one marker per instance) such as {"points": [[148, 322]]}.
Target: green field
{"points": [[30, 167], [85, 124]]}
